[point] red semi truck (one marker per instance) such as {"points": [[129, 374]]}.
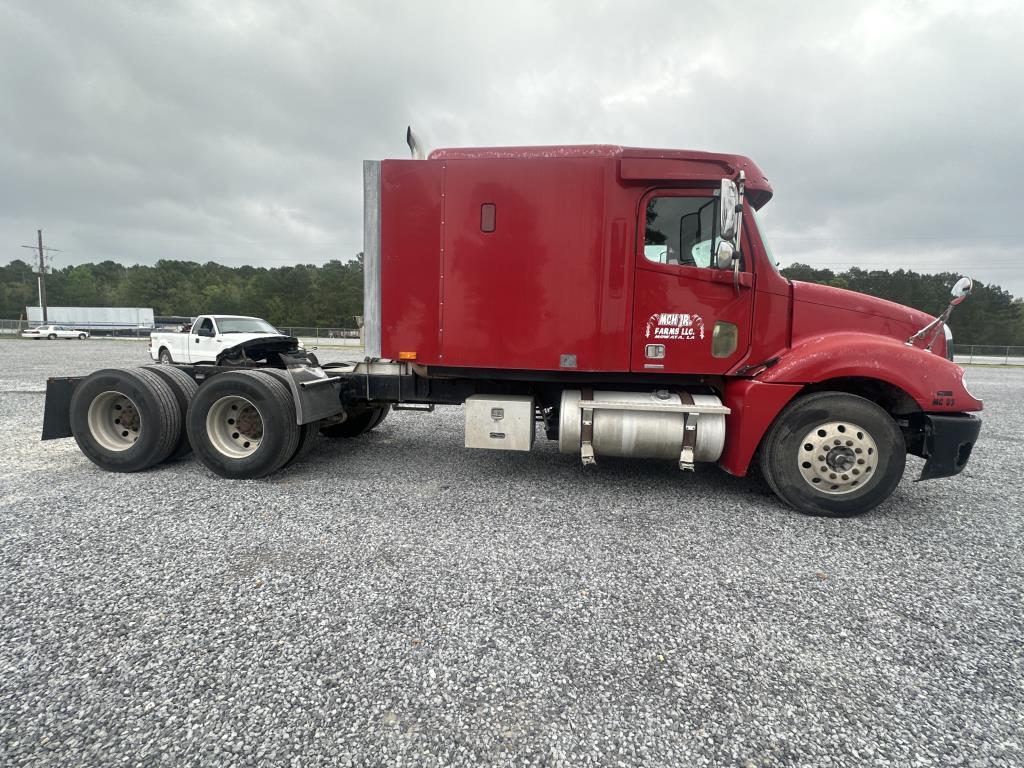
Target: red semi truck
{"points": [[624, 301]]}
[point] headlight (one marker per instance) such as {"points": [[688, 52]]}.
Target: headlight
{"points": [[963, 383], [949, 341]]}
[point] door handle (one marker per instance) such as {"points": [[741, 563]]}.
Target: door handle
{"points": [[197, 339]]}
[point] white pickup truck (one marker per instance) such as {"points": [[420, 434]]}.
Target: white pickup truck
{"points": [[208, 337]]}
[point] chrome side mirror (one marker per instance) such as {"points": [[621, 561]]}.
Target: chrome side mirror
{"points": [[725, 255], [961, 290], [729, 200]]}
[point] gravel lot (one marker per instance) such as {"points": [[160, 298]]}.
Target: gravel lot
{"points": [[398, 600]]}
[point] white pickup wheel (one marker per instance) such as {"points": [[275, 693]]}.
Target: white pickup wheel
{"points": [[833, 454], [165, 357], [125, 420], [242, 424]]}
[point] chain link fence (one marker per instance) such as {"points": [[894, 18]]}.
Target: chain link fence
{"points": [[971, 354], [325, 337], [987, 354]]}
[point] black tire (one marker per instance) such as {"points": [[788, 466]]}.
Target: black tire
{"points": [[308, 433], [184, 388], [52, 337], [785, 456], [276, 409], [159, 419], [81, 337], [382, 413], [355, 425], [165, 357]]}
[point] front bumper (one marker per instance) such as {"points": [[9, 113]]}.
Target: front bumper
{"points": [[944, 440]]}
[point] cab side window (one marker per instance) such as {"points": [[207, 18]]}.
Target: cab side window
{"points": [[206, 325], [679, 230]]}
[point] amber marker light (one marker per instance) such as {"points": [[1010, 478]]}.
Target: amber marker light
{"points": [[406, 355]]}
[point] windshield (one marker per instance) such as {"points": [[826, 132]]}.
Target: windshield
{"points": [[245, 325], [764, 240]]}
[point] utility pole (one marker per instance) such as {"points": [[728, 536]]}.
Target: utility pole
{"points": [[42, 275], [42, 271]]}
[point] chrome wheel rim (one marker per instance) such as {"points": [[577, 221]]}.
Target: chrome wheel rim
{"points": [[114, 421], [837, 457], [234, 426]]}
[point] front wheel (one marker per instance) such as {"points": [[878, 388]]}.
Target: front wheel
{"points": [[81, 337], [52, 337], [833, 454]]}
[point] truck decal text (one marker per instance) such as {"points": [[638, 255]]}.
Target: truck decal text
{"points": [[672, 325]]}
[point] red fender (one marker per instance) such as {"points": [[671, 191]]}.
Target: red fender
{"points": [[935, 384], [753, 407]]}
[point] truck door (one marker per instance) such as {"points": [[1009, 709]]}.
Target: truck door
{"points": [[203, 344], [688, 316]]}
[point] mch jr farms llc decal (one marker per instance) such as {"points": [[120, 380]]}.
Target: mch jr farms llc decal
{"points": [[668, 326]]}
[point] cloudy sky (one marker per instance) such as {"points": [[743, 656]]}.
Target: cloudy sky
{"points": [[893, 132]]}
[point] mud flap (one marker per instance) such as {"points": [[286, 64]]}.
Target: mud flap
{"points": [[57, 408], [317, 396]]}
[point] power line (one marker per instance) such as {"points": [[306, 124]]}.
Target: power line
{"points": [[881, 238]]}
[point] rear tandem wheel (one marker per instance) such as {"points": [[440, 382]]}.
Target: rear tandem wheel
{"points": [[242, 424], [125, 420]]}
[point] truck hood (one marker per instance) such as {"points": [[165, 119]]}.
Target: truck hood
{"points": [[258, 346], [839, 298], [234, 339]]}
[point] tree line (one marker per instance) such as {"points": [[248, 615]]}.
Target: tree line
{"points": [[990, 315], [331, 295], [328, 296]]}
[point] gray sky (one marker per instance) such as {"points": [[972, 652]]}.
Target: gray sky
{"points": [[234, 131]]}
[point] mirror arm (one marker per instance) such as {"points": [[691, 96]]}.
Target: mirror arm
{"points": [[739, 233], [939, 322], [934, 326], [739, 210]]}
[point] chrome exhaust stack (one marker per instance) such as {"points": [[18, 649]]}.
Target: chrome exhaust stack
{"points": [[415, 147]]}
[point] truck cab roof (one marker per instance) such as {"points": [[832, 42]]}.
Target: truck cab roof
{"points": [[636, 164]]}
